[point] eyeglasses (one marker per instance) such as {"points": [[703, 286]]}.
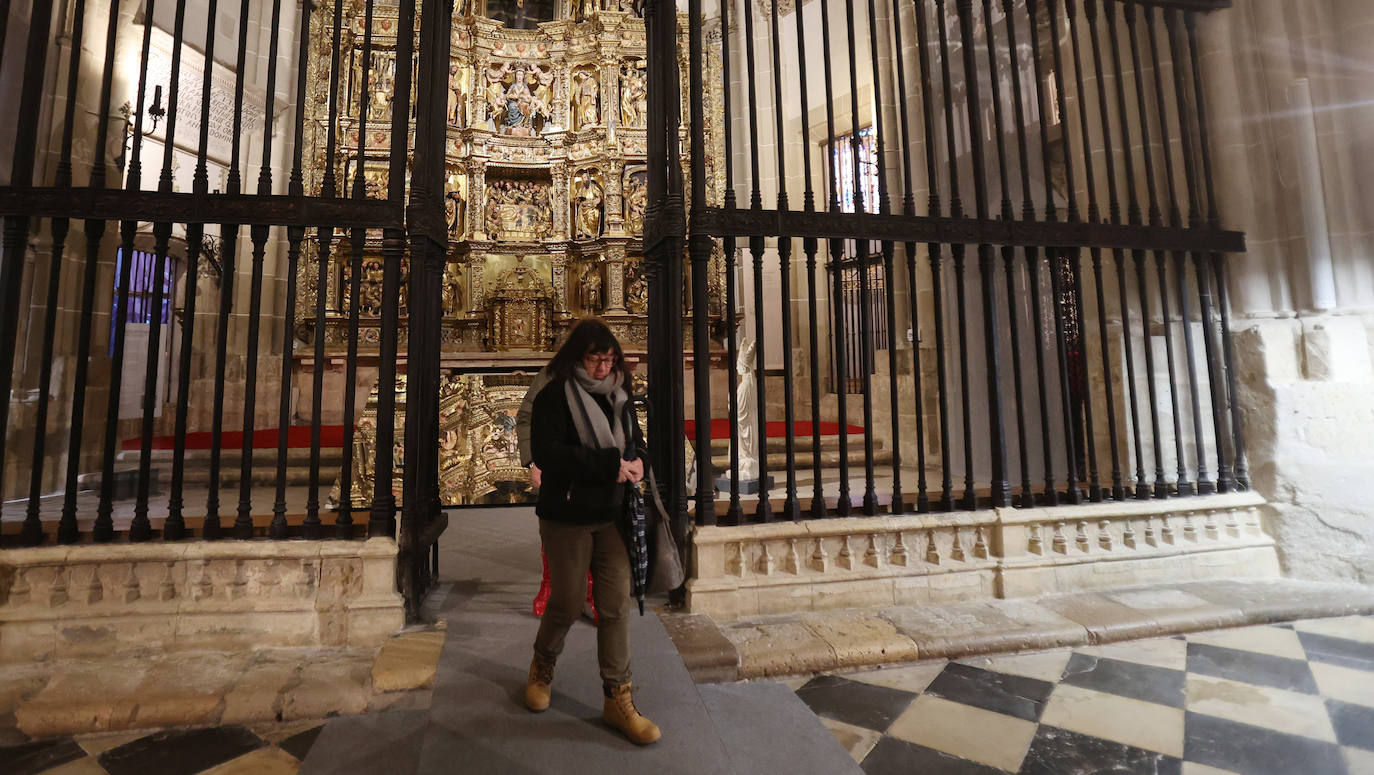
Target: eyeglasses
{"points": [[599, 360]]}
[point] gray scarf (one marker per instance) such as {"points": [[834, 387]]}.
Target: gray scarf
{"points": [[588, 417]]}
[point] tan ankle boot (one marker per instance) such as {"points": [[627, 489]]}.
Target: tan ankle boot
{"points": [[621, 713], [539, 685]]}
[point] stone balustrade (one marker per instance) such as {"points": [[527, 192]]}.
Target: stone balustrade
{"points": [[776, 568]]}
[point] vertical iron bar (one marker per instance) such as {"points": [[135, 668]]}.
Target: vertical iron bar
{"points": [[1205, 485], [908, 208], [343, 523], [935, 250], [1180, 272], [791, 507], [1142, 490], [104, 525], [295, 235], [956, 211], [897, 504], [836, 269], [987, 270], [383, 516], [311, 527], [1032, 253], [1095, 254], [1008, 214], [32, 532], [865, 364], [1114, 210], [764, 511], [16, 228], [734, 513], [1156, 220], [809, 247], [1074, 374], [175, 526], [67, 530], [699, 249], [243, 524], [141, 529], [1052, 259], [229, 239], [1228, 477]]}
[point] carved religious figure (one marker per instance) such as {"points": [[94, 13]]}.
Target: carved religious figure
{"points": [[632, 95], [586, 99], [453, 290], [589, 209], [457, 100], [747, 430], [589, 289], [636, 201], [585, 8], [636, 290], [522, 14]]}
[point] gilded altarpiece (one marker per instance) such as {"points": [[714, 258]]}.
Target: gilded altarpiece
{"points": [[545, 203]]}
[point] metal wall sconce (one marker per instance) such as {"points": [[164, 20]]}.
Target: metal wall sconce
{"points": [[156, 112]]}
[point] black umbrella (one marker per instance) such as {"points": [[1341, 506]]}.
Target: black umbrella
{"points": [[632, 530], [632, 518]]}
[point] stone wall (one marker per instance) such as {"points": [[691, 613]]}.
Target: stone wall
{"points": [[757, 570], [129, 599]]}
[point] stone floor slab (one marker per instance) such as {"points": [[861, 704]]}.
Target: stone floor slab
{"points": [[966, 629]]}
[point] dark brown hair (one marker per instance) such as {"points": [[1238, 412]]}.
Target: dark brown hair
{"points": [[589, 335]]}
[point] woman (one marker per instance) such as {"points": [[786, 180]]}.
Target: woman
{"points": [[587, 447]]}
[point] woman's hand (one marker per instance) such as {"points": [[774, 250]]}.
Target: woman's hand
{"points": [[536, 479], [630, 471]]}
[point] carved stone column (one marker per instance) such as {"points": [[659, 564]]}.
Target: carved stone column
{"points": [[615, 208], [560, 202], [615, 278], [558, 260]]}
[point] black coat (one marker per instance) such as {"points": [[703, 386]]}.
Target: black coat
{"points": [[579, 482]]}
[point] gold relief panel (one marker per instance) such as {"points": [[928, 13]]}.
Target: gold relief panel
{"points": [[519, 98], [518, 210]]}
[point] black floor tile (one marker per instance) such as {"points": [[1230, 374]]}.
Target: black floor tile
{"points": [[1293, 675], [1127, 679], [180, 752], [31, 758], [298, 745], [1354, 724], [1338, 651], [863, 705], [1255, 750], [1012, 695], [898, 757], [1061, 752]]}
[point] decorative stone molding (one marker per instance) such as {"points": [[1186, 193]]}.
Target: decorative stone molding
{"points": [[125, 599], [755, 570]]}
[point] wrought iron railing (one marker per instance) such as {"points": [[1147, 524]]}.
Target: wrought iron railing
{"points": [[310, 215], [1048, 225]]}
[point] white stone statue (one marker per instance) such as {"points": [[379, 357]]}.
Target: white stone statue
{"points": [[747, 395]]}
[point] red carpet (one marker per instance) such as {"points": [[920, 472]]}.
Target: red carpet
{"points": [[297, 437], [720, 428]]}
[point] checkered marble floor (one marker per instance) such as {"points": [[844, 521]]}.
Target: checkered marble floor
{"points": [[1292, 699], [274, 749]]}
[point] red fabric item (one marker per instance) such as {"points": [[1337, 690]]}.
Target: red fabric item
{"points": [[297, 437], [720, 428], [541, 599]]}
